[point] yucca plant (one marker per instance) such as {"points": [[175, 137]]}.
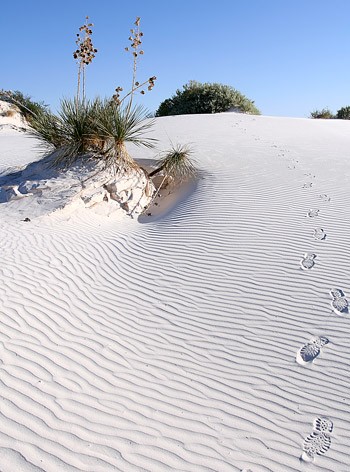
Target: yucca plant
{"points": [[177, 163], [116, 126], [174, 164]]}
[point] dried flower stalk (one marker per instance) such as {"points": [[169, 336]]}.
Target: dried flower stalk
{"points": [[84, 54], [135, 45]]}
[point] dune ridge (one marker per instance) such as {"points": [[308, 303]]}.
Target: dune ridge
{"points": [[172, 344]]}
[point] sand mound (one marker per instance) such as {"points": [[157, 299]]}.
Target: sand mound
{"points": [[173, 344]]}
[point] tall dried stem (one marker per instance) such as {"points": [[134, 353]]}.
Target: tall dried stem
{"points": [[84, 54], [136, 42]]}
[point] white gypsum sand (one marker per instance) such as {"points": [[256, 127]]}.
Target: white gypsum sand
{"points": [[170, 342]]}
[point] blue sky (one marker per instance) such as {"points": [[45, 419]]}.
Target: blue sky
{"points": [[290, 56]]}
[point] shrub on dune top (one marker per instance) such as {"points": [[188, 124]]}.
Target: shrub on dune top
{"points": [[344, 113], [325, 113], [26, 105], [205, 98]]}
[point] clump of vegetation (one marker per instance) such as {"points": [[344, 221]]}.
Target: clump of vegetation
{"points": [[177, 163], [344, 113], [99, 129], [205, 98], [325, 113], [26, 105]]}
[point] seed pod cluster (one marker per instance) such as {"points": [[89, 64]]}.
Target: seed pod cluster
{"points": [[151, 82], [116, 96], [136, 42], [85, 51], [135, 39]]}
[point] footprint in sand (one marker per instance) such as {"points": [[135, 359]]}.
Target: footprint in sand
{"points": [[312, 213], [323, 425], [325, 198], [308, 261], [307, 185], [319, 441], [311, 350], [339, 303], [319, 234], [315, 444]]}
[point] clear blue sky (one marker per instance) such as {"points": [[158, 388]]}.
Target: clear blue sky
{"points": [[290, 56]]}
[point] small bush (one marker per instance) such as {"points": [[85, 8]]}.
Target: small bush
{"points": [[26, 105], [344, 113], [325, 113], [205, 98]]}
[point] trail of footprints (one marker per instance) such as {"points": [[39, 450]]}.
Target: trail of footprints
{"points": [[319, 441]]}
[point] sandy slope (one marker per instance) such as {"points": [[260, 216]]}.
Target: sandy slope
{"points": [[171, 343]]}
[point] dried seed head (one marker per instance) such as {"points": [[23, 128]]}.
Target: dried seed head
{"points": [[126, 49]]}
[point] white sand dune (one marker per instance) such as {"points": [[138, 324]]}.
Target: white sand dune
{"points": [[193, 341]]}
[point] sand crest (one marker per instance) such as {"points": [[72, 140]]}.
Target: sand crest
{"points": [[173, 344]]}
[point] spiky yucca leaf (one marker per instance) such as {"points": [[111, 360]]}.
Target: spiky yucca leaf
{"points": [[72, 133], [76, 129], [123, 125], [46, 128]]}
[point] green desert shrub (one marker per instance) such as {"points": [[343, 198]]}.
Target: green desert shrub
{"points": [[205, 98], [26, 105], [325, 113], [344, 113]]}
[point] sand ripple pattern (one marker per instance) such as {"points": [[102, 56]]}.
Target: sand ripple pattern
{"points": [[171, 345]]}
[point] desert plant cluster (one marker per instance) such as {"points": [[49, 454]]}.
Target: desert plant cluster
{"points": [[342, 114], [196, 97], [99, 129]]}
